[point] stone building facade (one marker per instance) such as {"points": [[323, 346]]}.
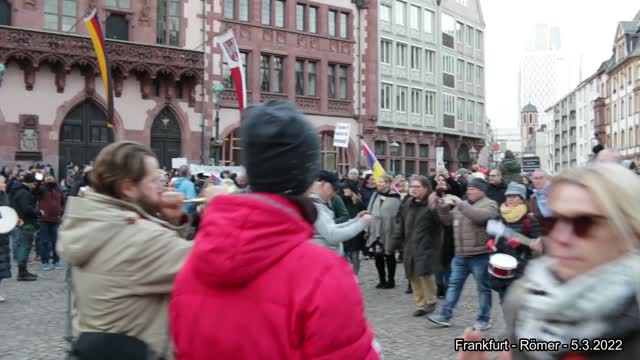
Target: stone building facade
{"points": [[429, 56], [165, 64]]}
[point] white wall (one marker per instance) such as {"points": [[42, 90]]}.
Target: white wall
{"points": [[43, 100], [192, 13]]}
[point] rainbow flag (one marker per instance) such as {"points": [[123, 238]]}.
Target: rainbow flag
{"points": [[373, 162], [97, 38]]}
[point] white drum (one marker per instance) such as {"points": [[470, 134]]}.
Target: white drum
{"points": [[502, 266], [8, 219]]}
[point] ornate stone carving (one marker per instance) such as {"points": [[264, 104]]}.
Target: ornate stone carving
{"points": [[345, 48], [281, 37], [29, 76], [340, 107], [245, 32], [90, 6], [61, 80], [89, 83], [28, 133], [268, 96], [267, 35], [118, 84], [30, 4], [145, 15], [308, 103], [340, 47], [333, 46], [302, 41], [35, 46]]}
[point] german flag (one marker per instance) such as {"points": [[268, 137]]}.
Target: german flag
{"points": [[97, 38]]}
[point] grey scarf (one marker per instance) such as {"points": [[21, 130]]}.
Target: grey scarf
{"points": [[583, 308]]}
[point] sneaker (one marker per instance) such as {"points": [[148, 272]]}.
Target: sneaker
{"points": [[482, 325], [57, 265], [431, 308], [2, 299], [46, 267], [419, 313], [439, 319]]}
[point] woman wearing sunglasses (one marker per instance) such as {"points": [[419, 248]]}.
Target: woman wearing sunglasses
{"points": [[585, 293]]}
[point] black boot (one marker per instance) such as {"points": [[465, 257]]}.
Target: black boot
{"points": [[391, 270], [24, 275], [381, 273], [409, 289]]}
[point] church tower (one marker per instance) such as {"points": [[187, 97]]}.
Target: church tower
{"points": [[528, 124]]}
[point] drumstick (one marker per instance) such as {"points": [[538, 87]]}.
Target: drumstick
{"points": [[197, 201]]}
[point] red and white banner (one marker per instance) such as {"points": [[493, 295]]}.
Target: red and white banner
{"points": [[231, 55]]}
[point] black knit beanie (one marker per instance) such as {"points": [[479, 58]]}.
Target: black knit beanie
{"points": [[280, 148]]}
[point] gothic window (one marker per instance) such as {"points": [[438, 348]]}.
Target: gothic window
{"points": [[168, 23]]}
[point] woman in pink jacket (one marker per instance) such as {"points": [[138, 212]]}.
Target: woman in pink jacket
{"points": [[254, 285]]}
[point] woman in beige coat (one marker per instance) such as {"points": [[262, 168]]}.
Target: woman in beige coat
{"points": [[384, 206]]}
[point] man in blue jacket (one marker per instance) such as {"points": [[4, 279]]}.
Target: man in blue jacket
{"points": [[185, 186]]}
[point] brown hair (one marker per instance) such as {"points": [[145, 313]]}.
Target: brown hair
{"points": [[424, 181], [116, 162], [388, 179], [509, 154]]}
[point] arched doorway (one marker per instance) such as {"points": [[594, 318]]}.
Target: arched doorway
{"points": [[83, 134], [447, 156], [464, 160], [165, 137]]}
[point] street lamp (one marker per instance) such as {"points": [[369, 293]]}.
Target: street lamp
{"points": [[217, 89], [473, 154], [394, 145], [3, 69]]}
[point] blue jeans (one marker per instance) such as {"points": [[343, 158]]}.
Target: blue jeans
{"points": [[49, 239], [461, 267], [442, 279]]}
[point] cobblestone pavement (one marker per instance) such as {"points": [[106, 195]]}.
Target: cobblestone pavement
{"points": [[32, 321]]}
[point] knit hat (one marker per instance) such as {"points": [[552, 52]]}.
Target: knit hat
{"points": [[29, 178], [479, 184], [354, 171], [352, 185], [281, 150], [516, 189], [462, 171]]}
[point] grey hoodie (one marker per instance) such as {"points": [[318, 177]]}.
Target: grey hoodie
{"points": [[329, 234]]}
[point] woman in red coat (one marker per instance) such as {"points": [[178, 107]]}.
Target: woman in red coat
{"points": [[254, 285]]}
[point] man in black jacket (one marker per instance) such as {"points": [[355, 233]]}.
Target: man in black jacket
{"points": [[497, 187], [24, 202]]}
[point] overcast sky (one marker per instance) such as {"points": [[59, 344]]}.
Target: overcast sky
{"points": [[587, 28]]}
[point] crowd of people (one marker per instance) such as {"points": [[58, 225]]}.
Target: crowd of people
{"points": [[277, 247]]}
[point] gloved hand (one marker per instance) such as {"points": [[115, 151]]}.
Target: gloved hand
{"points": [[491, 244], [514, 243]]}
